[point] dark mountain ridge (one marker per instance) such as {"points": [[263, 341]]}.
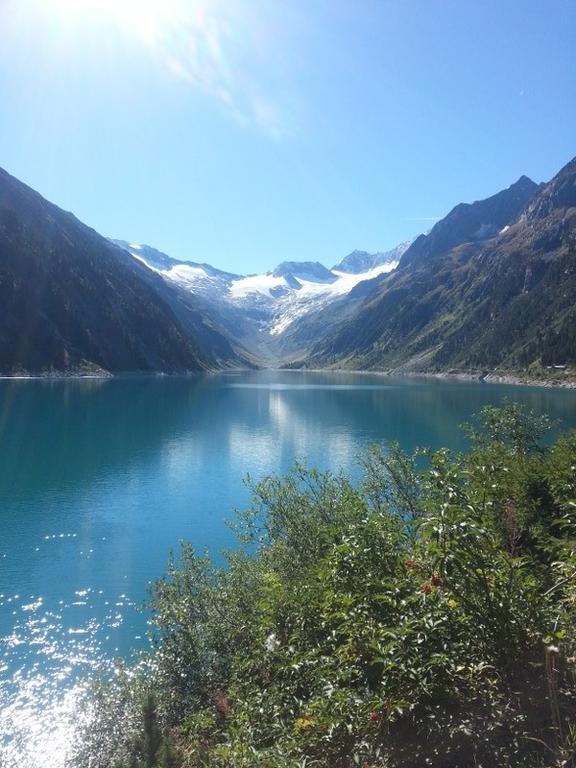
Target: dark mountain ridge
{"points": [[72, 302], [492, 286], [469, 222]]}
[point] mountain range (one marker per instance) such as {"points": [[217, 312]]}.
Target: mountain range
{"points": [[257, 311], [491, 287]]}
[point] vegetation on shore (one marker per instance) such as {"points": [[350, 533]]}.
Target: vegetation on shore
{"points": [[422, 618]]}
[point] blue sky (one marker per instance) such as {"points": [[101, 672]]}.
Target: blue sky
{"points": [[247, 132]]}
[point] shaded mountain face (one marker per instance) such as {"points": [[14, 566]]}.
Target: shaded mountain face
{"points": [[522, 289], [492, 286], [73, 302]]}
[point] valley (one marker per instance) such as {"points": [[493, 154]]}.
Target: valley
{"points": [[258, 311], [489, 290]]}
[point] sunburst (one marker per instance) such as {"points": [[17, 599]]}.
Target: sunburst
{"points": [[148, 19]]}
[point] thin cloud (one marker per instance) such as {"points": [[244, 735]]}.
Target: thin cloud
{"points": [[232, 51], [214, 48]]}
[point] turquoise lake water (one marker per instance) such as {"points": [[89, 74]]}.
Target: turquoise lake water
{"points": [[100, 479]]}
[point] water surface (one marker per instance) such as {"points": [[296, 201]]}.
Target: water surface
{"points": [[99, 479]]}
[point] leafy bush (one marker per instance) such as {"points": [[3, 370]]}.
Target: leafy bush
{"points": [[423, 618]]}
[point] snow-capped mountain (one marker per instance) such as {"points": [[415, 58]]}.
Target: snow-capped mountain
{"points": [[267, 303], [362, 261], [184, 272], [312, 271], [286, 298]]}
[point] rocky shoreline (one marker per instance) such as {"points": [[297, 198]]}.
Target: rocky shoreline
{"points": [[495, 377], [487, 377]]}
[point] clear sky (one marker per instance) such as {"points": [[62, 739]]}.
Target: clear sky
{"points": [[247, 132]]}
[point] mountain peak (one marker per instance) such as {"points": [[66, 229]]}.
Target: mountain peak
{"points": [[311, 271], [356, 261], [362, 261], [470, 222], [524, 181]]}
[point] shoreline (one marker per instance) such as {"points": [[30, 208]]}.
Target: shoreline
{"points": [[491, 377], [498, 378]]}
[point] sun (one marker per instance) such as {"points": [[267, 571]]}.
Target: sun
{"points": [[148, 19]]}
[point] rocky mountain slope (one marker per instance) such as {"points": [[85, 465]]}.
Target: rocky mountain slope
{"points": [[491, 287], [73, 302]]}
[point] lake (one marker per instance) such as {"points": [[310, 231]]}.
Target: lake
{"points": [[100, 479]]}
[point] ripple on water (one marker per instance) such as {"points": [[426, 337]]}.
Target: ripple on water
{"points": [[48, 656]]}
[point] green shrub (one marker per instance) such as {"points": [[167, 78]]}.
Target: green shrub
{"points": [[423, 618]]}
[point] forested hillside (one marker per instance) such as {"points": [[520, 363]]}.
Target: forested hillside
{"points": [[491, 287]]}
